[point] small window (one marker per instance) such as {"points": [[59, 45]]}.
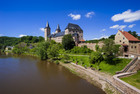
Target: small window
{"points": [[120, 41], [135, 46], [131, 46], [118, 33], [123, 38], [123, 42]]}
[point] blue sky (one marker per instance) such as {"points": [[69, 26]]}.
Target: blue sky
{"points": [[97, 18]]}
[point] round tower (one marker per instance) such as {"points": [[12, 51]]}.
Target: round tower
{"points": [[47, 31], [58, 29]]}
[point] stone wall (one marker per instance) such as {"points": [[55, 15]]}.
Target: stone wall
{"points": [[91, 45], [125, 87]]}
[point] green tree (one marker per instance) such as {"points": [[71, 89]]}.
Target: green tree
{"points": [[134, 33], [112, 37], [96, 58], [109, 49], [41, 50], [68, 42], [53, 51]]}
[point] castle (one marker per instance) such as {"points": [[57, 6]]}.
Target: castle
{"points": [[73, 29]]}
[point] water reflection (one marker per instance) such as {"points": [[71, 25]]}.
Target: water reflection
{"points": [[29, 75]]}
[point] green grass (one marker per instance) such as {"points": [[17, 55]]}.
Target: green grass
{"points": [[133, 80], [113, 68], [118, 64]]}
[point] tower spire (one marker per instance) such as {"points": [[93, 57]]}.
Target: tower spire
{"points": [[58, 27], [47, 25]]}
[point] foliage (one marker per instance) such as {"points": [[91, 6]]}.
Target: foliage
{"points": [[94, 41], [68, 42], [109, 49], [53, 50], [20, 48], [96, 58], [80, 50], [41, 50], [118, 65], [12, 41], [112, 36], [134, 33]]}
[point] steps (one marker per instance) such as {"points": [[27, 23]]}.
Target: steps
{"points": [[130, 67]]}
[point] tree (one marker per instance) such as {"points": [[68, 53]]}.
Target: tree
{"points": [[134, 33], [109, 49], [96, 58], [41, 50], [112, 37], [53, 51], [68, 42]]}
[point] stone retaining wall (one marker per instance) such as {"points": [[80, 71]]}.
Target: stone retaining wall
{"points": [[127, 88]]}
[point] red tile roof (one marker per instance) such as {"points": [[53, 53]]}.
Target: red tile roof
{"points": [[82, 40], [129, 36]]}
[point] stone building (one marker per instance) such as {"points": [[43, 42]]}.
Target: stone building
{"points": [[73, 29], [130, 44]]}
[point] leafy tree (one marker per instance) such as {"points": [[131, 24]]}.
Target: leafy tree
{"points": [[41, 50], [109, 49], [68, 42], [96, 58], [53, 51], [134, 33], [41, 39], [112, 37]]}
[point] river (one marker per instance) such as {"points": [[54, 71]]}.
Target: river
{"points": [[29, 75]]}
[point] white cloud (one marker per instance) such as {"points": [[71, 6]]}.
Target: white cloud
{"points": [[127, 16], [131, 26], [21, 35], [75, 16], [89, 14], [118, 26], [42, 29], [103, 30]]}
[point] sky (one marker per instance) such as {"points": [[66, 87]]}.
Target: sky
{"points": [[97, 18]]}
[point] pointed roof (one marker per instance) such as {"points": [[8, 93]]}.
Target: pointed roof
{"points": [[129, 36], [58, 27], [47, 25]]}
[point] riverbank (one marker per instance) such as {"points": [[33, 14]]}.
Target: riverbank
{"points": [[99, 79]]}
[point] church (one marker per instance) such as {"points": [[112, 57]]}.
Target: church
{"points": [[73, 29]]}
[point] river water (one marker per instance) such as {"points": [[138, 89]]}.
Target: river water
{"points": [[29, 75]]}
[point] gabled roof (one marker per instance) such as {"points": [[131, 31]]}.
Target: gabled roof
{"points": [[73, 26], [57, 34], [129, 36]]}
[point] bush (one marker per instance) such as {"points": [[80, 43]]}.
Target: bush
{"points": [[80, 50]]}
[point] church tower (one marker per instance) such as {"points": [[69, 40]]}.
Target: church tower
{"points": [[47, 31], [58, 29]]}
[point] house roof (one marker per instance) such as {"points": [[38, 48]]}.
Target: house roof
{"points": [[57, 34], [129, 36], [73, 26]]}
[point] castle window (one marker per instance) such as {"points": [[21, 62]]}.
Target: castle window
{"points": [[131, 46], [120, 41], [123, 38], [135, 47], [123, 42], [118, 33]]}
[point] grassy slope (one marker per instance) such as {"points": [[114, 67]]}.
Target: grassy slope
{"points": [[133, 80], [111, 69]]}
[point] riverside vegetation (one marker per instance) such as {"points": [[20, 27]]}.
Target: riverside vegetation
{"points": [[103, 59]]}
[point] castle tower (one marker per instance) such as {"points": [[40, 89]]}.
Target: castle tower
{"points": [[58, 29], [47, 31]]}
